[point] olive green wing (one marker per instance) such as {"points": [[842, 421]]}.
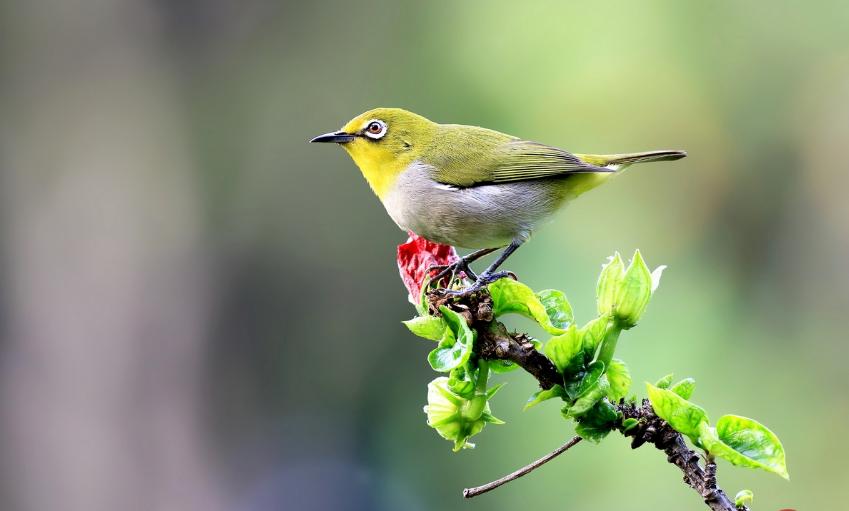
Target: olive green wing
{"points": [[522, 160], [464, 156]]}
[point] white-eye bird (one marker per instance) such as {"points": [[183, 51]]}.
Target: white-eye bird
{"points": [[468, 186]]}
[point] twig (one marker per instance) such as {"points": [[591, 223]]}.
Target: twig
{"points": [[474, 492]]}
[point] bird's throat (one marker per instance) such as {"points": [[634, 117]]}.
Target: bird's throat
{"points": [[381, 169]]}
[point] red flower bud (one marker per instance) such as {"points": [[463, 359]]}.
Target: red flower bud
{"points": [[416, 256]]}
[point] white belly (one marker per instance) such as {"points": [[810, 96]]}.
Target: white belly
{"points": [[478, 217]]}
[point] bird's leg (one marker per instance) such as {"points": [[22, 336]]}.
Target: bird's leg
{"points": [[489, 275], [461, 265]]}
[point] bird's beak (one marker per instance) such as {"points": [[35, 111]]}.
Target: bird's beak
{"points": [[340, 137]]}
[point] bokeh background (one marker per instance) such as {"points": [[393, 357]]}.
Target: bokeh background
{"points": [[201, 311]]}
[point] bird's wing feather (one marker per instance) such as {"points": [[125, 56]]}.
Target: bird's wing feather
{"points": [[487, 157], [624, 160], [522, 160]]}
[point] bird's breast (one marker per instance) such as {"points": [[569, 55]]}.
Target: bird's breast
{"points": [[476, 217]]}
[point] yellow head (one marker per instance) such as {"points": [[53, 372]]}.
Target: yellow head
{"points": [[383, 142]]}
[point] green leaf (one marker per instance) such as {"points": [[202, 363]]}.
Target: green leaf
{"points": [[566, 351], [619, 378], [429, 327], [634, 293], [664, 382], [556, 307], [597, 423], [491, 391], [742, 497], [683, 416], [593, 334], [606, 411], [745, 443], [684, 388], [591, 431], [589, 397], [573, 384], [447, 355], [456, 345], [580, 382], [545, 395], [511, 297], [457, 324], [608, 284], [594, 373], [629, 423], [502, 366]]}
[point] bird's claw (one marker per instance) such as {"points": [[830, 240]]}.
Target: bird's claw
{"points": [[459, 266], [483, 280]]}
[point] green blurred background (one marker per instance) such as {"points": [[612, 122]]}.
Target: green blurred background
{"points": [[201, 311]]}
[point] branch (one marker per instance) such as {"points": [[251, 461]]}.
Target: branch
{"points": [[474, 492], [497, 343], [654, 430]]}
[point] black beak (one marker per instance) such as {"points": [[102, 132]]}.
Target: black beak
{"points": [[340, 137]]}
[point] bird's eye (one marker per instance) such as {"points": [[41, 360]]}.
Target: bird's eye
{"points": [[375, 129]]}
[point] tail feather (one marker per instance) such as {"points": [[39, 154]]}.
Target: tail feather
{"points": [[622, 160]]}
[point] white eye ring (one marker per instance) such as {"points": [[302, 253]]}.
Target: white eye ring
{"points": [[375, 129]]}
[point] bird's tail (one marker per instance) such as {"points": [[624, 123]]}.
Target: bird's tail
{"points": [[620, 161]]}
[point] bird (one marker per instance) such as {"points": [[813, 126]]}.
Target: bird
{"points": [[469, 186]]}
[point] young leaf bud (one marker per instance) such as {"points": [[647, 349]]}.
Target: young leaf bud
{"points": [[456, 418], [633, 293], [608, 284]]}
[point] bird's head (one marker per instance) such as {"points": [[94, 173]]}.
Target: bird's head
{"points": [[383, 142]]}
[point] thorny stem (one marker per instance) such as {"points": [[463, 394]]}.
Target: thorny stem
{"points": [[495, 342], [474, 492]]}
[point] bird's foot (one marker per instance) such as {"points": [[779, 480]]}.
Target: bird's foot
{"points": [[484, 279], [450, 270]]}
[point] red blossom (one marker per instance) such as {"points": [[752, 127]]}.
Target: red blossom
{"points": [[416, 256]]}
